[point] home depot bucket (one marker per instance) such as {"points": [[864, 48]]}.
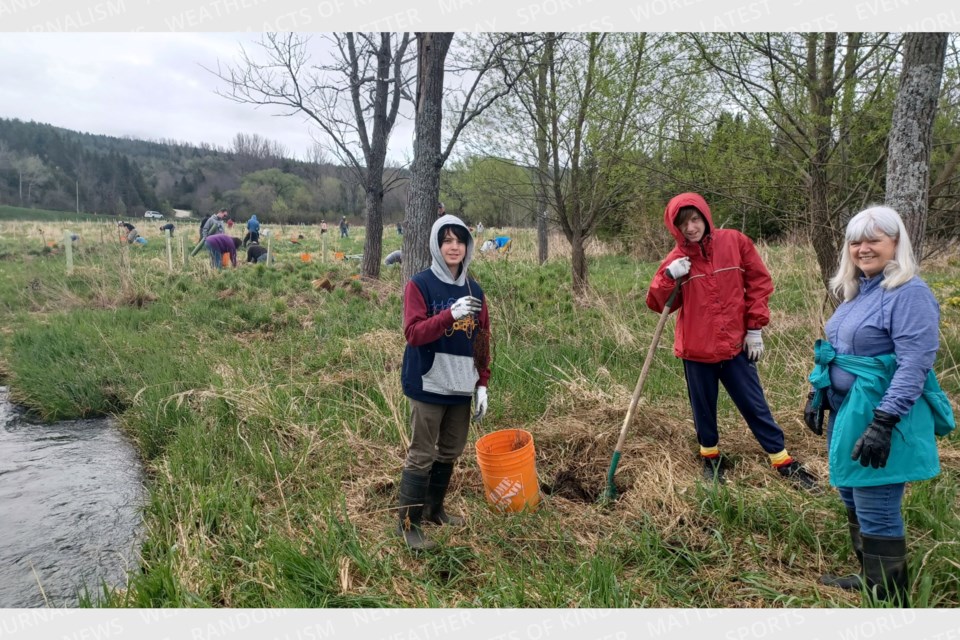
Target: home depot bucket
{"points": [[225, 260], [508, 465]]}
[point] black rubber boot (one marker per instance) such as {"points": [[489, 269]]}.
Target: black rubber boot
{"points": [[852, 582], [713, 470], [413, 493], [798, 475], [885, 568], [433, 510]]}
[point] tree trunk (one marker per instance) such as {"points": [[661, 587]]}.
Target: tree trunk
{"points": [[543, 241], [579, 261], [424, 187], [908, 154], [824, 237], [373, 244], [821, 87], [543, 159]]}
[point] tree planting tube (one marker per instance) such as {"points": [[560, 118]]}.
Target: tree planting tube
{"points": [[197, 248]]}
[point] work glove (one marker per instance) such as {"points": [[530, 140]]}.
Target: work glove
{"points": [[678, 268], [813, 416], [753, 343], [465, 306], [481, 404], [873, 447]]}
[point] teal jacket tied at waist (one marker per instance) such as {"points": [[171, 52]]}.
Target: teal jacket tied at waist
{"points": [[913, 453]]}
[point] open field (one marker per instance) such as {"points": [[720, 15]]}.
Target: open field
{"points": [[271, 421]]}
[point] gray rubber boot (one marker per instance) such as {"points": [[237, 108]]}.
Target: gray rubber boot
{"points": [[852, 582], [413, 493], [885, 568], [433, 510]]}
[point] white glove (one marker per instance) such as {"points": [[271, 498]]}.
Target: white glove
{"points": [[753, 343], [481, 404], [678, 268], [465, 306]]}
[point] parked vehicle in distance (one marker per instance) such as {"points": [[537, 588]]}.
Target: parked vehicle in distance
{"points": [[152, 214]]}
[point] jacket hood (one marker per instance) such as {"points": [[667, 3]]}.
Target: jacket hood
{"points": [[438, 266], [686, 200], [253, 218]]}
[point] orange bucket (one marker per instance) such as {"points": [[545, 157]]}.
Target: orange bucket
{"points": [[225, 260], [508, 466]]}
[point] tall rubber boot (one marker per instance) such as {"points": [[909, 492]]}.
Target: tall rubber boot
{"points": [[433, 510], [413, 493], [885, 568], [852, 582]]}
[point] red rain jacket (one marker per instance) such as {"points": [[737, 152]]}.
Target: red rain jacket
{"points": [[725, 293]]}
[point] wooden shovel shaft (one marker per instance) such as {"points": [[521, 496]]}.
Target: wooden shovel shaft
{"points": [[646, 368]]}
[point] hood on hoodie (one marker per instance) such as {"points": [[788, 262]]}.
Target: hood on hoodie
{"points": [[438, 266], [686, 200]]}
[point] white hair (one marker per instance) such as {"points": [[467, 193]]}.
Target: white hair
{"points": [[868, 225]]}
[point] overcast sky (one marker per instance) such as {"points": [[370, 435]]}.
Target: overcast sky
{"points": [[143, 85]]}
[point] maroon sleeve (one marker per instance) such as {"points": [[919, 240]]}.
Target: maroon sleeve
{"points": [[417, 327]]}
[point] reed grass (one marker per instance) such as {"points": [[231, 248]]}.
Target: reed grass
{"points": [[273, 427]]}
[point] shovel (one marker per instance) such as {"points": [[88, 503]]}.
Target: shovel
{"points": [[611, 491]]}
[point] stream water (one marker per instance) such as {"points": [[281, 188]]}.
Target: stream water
{"points": [[70, 508]]}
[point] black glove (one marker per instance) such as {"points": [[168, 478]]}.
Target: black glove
{"points": [[813, 416], [873, 447]]}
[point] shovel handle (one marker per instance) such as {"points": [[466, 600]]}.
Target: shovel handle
{"points": [[646, 367]]}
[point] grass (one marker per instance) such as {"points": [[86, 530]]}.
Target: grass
{"points": [[271, 422]]}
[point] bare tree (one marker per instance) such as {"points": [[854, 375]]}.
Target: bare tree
{"points": [[539, 93], [353, 101], [908, 162], [816, 89], [487, 77]]}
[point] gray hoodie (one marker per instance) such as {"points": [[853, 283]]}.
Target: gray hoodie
{"points": [[439, 266]]}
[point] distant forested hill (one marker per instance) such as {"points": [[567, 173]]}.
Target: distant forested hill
{"points": [[45, 167]]}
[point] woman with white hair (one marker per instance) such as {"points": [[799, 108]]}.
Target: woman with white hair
{"points": [[875, 375]]}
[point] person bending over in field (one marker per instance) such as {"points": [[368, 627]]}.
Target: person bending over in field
{"points": [[132, 233], [257, 254], [219, 244], [394, 257]]}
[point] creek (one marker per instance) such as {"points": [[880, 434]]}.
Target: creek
{"points": [[71, 499]]}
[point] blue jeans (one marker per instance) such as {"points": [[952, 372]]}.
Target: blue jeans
{"points": [[216, 257], [878, 508]]}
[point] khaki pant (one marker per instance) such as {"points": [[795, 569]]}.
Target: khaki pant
{"points": [[439, 433]]}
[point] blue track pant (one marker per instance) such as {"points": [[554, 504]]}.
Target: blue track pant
{"points": [[740, 379]]}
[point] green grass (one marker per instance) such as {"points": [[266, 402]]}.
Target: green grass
{"points": [[271, 421]]}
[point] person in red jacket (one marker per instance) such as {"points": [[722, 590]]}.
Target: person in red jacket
{"points": [[724, 288]]}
